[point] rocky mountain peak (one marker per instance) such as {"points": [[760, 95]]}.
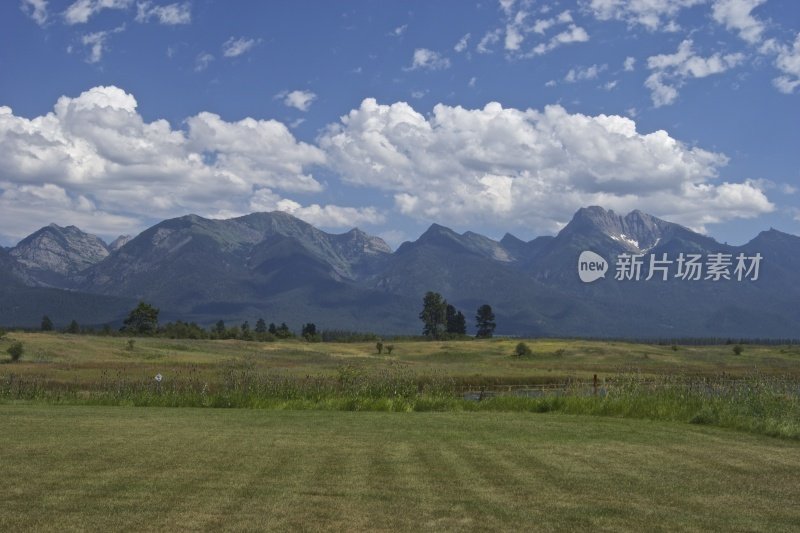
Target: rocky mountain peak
{"points": [[773, 235], [636, 232], [475, 243], [511, 240], [438, 234], [119, 242], [360, 241], [486, 247], [63, 251]]}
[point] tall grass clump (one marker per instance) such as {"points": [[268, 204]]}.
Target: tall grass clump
{"points": [[758, 403], [394, 388]]}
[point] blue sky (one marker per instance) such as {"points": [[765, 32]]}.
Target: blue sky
{"points": [[489, 116]]}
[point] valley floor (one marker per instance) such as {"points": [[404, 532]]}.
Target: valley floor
{"points": [[86, 359], [115, 468]]}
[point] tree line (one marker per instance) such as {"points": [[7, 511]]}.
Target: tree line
{"points": [[442, 320], [143, 321]]}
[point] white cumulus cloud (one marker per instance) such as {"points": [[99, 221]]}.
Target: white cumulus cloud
{"points": [[36, 10], [95, 151], [788, 62], [652, 14], [24, 207], [429, 60], [515, 31], [507, 5], [629, 64], [670, 70], [584, 73], [399, 31], [234, 47], [736, 15], [170, 14], [81, 11], [462, 43], [488, 40], [573, 34], [542, 25], [327, 216], [202, 61], [97, 43], [505, 167], [300, 100], [520, 23]]}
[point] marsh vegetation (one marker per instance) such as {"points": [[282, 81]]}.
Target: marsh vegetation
{"points": [[757, 390]]}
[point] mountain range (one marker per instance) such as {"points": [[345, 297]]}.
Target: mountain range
{"points": [[275, 266]]}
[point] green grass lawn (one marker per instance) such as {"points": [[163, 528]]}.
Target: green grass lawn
{"points": [[112, 468]]}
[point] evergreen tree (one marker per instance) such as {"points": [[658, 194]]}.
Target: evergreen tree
{"points": [[232, 332], [433, 315], [484, 321], [456, 321], [282, 332], [272, 329], [461, 323], [247, 334], [219, 329], [47, 324], [261, 326], [143, 320], [73, 327], [309, 330]]}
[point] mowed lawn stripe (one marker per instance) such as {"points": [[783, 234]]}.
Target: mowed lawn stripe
{"points": [[235, 483], [114, 468]]}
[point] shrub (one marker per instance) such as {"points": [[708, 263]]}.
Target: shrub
{"points": [[522, 350], [142, 321], [389, 349], [130, 345], [738, 349], [16, 350], [379, 347], [705, 416]]}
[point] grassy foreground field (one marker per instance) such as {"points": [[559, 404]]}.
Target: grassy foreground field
{"points": [[112, 468], [757, 390], [76, 358]]}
